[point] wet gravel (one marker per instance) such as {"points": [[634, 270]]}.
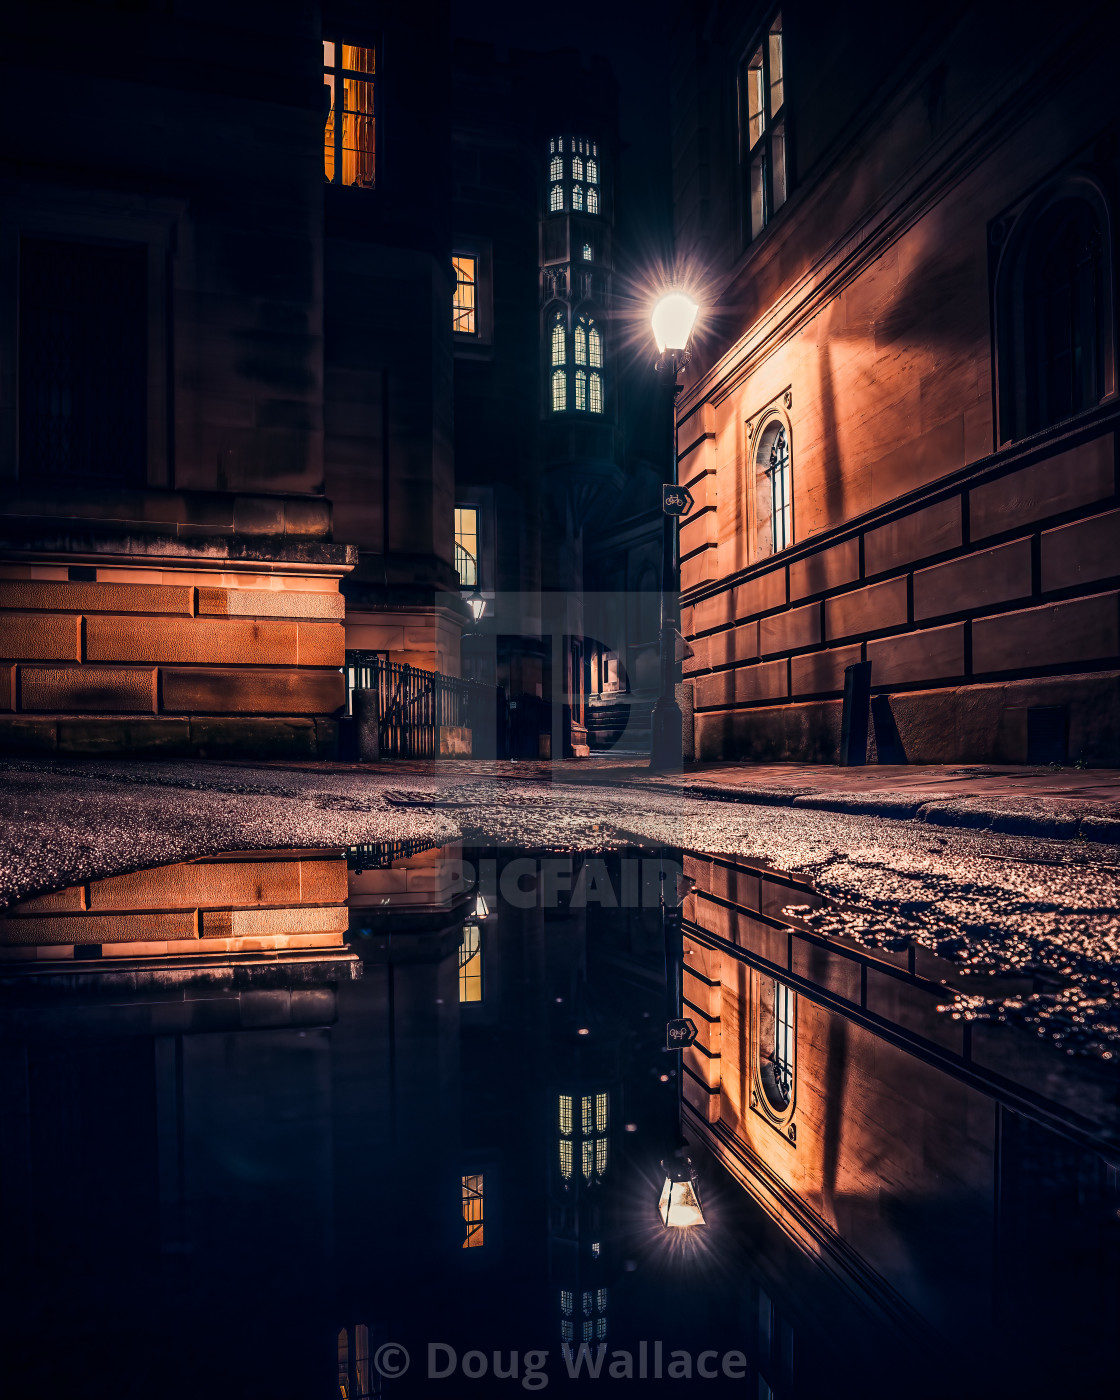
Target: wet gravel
{"points": [[992, 903]]}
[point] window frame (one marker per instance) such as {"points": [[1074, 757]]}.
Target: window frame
{"points": [[340, 73], [764, 145], [779, 1115], [764, 483]]}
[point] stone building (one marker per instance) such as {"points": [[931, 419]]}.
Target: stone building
{"points": [[225, 370], [899, 424]]}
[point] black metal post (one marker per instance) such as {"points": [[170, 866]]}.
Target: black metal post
{"points": [[667, 724], [854, 715]]}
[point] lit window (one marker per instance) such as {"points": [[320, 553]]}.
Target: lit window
{"points": [[559, 391], [595, 348], [566, 1159], [577, 167], [762, 132], [601, 1107], [588, 1122], [566, 1301], [601, 1154], [776, 1042], [588, 1331], [586, 1300], [566, 1114], [470, 964], [566, 1332], [465, 301], [472, 1212], [466, 545], [556, 168], [778, 469], [577, 196], [600, 1328], [559, 350], [595, 398], [556, 199], [588, 1159], [581, 394], [592, 200], [349, 145], [593, 172], [581, 344], [600, 1300], [587, 255]]}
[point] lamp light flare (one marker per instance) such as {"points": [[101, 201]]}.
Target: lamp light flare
{"points": [[679, 1206], [673, 319]]}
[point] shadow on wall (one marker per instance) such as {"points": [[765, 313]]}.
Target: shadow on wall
{"points": [[888, 741]]}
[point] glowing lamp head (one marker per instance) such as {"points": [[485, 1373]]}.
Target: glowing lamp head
{"points": [[477, 604], [673, 319], [679, 1206]]}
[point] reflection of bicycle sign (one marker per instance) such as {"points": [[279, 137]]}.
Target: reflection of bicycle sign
{"points": [[675, 500], [680, 1034]]}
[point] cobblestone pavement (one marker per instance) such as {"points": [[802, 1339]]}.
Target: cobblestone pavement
{"points": [[994, 901]]}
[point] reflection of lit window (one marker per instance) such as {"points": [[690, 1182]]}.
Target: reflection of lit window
{"points": [[587, 1304], [588, 1158], [592, 172], [566, 1301], [577, 167], [776, 1042], [581, 390], [556, 168], [592, 200], [559, 391], [470, 964], [556, 199], [587, 255], [588, 1123], [472, 1212], [559, 351], [464, 303], [595, 398], [577, 196], [466, 545], [601, 1300], [565, 1113], [600, 1328], [594, 348], [588, 1331], [349, 144], [581, 344], [567, 1333], [566, 1159]]}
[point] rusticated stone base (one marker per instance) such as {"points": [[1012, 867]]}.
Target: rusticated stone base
{"points": [[204, 736], [956, 724]]}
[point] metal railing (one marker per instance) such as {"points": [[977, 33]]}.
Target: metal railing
{"points": [[414, 705]]}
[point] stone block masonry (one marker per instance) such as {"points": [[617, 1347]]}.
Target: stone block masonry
{"points": [[1007, 574], [187, 656]]}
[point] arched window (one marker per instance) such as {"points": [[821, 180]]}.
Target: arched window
{"points": [[595, 347], [1054, 316], [774, 488], [556, 199], [593, 172], [577, 196], [581, 390], [587, 254], [559, 355], [556, 168], [596, 393], [559, 391], [776, 1042], [581, 344], [1064, 311], [592, 200], [577, 167]]}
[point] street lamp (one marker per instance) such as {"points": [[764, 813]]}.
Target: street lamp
{"points": [[673, 319], [477, 604], [679, 1206]]}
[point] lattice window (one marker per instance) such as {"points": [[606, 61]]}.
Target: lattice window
{"points": [[472, 1199], [592, 200], [762, 131], [349, 143], [556, 199], [577, 196], [559, 391], [581, 344], [581, 391], [470, 964], [559, 349]]}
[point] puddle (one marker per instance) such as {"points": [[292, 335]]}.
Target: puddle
{"points": [[402, 1121]]}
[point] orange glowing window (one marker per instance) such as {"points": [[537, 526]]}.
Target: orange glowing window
{"points": [[762, 131], [349, 137], [465, 300], [472, 1212]]}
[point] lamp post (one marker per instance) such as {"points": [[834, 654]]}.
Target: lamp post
{"points": [[673, 319]]}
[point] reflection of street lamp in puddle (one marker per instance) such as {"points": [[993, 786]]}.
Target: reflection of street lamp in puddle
{"points": [[679, 1206]]}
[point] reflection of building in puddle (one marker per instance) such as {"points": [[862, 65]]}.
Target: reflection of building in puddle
{"points": [[239, 908], [911, 1153], [405, 878]]}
